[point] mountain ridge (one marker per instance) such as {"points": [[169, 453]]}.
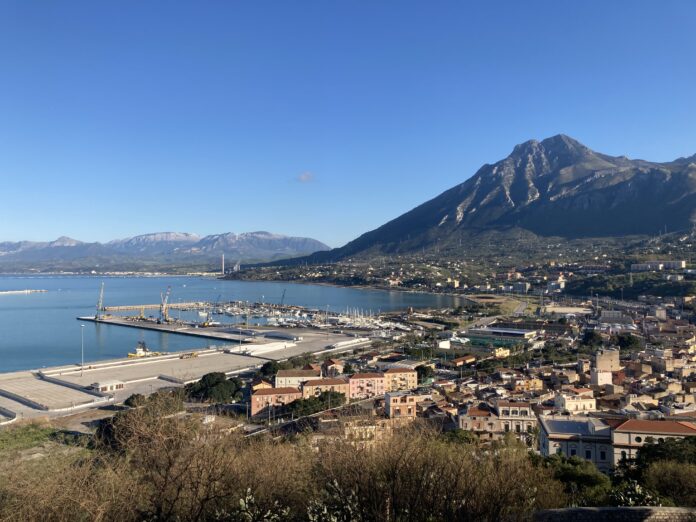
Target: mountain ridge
{"points": [[556, 187], [165, 247]]}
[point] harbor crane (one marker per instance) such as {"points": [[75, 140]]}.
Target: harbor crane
{"points": [[164, 308]]}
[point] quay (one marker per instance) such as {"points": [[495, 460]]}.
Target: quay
{"points": [[64, 390]]}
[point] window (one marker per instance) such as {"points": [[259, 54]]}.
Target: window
{"points": [[623, 455], [518, 428], [602, 455], [588, 454], [523, 412], [506, 412], [573, 452], [639, 439], [507, 427]]}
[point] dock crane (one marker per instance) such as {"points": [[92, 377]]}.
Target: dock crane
{"points": [[100, 303], [164, 307]]}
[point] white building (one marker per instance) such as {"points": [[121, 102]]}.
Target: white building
{"points": [[575, 400], [585, 437]]}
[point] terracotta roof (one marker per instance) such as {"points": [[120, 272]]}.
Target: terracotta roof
{"points": [[298, 373], [658, 426], [400, 370], [367, 376], [325, 382], [276, 391], [477, 412], [513, 404]]}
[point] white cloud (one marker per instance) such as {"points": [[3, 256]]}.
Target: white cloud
{"points": [[305, 177]]}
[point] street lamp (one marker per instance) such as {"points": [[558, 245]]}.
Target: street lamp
{"points": [[82, 339]]}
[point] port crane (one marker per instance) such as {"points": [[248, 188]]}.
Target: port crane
{"points": [[164, 308]]}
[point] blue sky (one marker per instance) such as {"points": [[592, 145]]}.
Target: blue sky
{"points": [[314, 118]]}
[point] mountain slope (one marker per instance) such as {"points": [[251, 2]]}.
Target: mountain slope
{"points": [[556, 187]]}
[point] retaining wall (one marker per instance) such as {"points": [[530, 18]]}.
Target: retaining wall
{"points": [[617, 514]]}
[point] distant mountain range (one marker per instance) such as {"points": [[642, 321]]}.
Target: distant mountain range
{"points": [[163, 248], [557, 187]]}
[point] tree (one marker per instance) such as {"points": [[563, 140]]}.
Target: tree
{"points": [[626, 341], [592, 338], [424, 373], [324, 401], [673, 480], [348, 369], [269, 369], [459, 436], [214, 387], [584, 484]]}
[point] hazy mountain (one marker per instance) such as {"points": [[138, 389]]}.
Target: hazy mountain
{"points": [[556, 187], [153, 250], [157, 243], [257, 245]]}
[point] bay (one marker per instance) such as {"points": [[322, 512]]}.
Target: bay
{"points": [[40, 329]]}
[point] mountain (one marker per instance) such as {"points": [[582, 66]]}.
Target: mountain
{"points": [[152, 250], [257, 245], [556, 187], [157, 243]]}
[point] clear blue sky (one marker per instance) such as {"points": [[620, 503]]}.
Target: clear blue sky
{"points": [[314, 118]]}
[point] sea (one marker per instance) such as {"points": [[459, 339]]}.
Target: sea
{"points": [[40, 330]]}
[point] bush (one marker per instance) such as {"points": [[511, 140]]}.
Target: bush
{"points": [[673, 480], [215, 387]]}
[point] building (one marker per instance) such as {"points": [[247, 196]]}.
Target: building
{"points": [[500, 336], [600, 378], [481, 420], [260, 384], [333, 367], [576, 400], [607, 360], [628, 437], [584, 437], [107, 386], [493, 421], [402, 404], [366, 385], [397, 379], [295, 378], [515, 416], [316, 387], [269, 398]]}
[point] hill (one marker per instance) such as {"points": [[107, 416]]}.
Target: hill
{"points": [[552, 188]]}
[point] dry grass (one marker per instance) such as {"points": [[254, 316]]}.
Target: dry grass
{"points": [[173, 469]]}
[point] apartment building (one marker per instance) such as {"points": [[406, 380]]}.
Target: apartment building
{"points": [[366, 385], [266, 398], [399, 379], [295, 378], [316, 387]]}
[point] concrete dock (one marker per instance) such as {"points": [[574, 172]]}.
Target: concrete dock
{"points": [[59, 391]]}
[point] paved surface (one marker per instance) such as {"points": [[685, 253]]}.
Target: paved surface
{"points": [[142, 375], [51, 395]]}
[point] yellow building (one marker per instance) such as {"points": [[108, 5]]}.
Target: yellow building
{"points": [[400, 379]]}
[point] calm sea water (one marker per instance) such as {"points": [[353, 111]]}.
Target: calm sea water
{"points": [[38, 330]]}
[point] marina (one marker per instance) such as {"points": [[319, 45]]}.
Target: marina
{"points": [[40, 330]]}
